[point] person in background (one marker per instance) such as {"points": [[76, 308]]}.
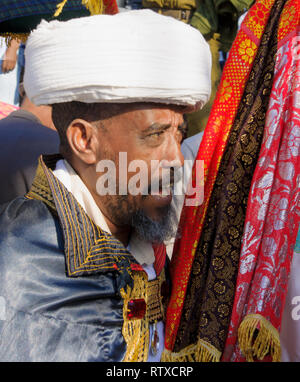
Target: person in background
{"points": [[217, 20], [11, 63], [25, 134]]}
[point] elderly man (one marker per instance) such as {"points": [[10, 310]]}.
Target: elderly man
{"points": [[82, 258]]}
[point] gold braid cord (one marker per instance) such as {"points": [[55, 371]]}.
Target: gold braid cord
{"points": [[96, 7], [136, 331]]}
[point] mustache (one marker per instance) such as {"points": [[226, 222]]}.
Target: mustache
{"points": [[165, 181], [156, 231]]}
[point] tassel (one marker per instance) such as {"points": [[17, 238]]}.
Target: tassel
{"points": [[135, 331], [266, 341], [202, 351], [94, 6]]}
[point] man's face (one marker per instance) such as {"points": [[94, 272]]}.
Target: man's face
{"points": [[145, 137]]}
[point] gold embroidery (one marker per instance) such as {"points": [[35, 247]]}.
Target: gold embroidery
{"points": [[136, 331], [96, 250], [201, 352], [155, 310]]}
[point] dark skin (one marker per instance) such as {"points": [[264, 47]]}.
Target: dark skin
{"points": [[144, 132]]}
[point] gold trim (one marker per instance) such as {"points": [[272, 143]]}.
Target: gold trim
{"points": [[266, 342], [155, 310], [95, 7]]}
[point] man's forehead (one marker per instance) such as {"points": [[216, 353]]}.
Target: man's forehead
{"points": [[154, 117]]}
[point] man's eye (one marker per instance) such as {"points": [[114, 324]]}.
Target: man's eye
{"points": [[156, 135]]}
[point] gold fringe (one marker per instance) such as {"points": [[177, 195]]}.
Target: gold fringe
{"points": [[266, 342], [96, 7], [202, 351]]}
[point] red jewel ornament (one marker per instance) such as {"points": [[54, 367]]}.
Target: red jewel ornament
{"points": [[136, 267], [136, 308]]}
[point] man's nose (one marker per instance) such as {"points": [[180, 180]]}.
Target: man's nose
{"points": [[174, 155]]}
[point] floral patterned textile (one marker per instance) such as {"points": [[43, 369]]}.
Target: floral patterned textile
{"points": [[273, 207]]}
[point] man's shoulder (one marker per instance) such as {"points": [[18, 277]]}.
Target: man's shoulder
{"points": [[23, 141], [21, 215]]}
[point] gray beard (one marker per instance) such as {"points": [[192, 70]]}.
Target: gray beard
{"points": [[155, 231]]}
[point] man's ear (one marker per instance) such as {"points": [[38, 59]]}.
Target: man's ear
{"points": [[82, 140]]}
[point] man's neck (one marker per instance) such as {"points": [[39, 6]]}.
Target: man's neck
{"points": [[122, 233]]}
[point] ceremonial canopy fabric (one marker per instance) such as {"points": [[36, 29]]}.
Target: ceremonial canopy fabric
{"points": [[272, 219], [19, 17], [245, 162]]}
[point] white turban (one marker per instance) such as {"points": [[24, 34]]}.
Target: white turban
{"points": [[134, 56]]}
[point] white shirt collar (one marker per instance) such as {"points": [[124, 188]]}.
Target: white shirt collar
{"points": [[141, 250]]}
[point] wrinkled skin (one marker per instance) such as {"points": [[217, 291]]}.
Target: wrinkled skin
{"points": [[144, 132]]}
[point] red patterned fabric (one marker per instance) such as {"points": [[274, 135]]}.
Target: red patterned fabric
{"points": [[228, 97], [272, 218], [110, 7]]}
